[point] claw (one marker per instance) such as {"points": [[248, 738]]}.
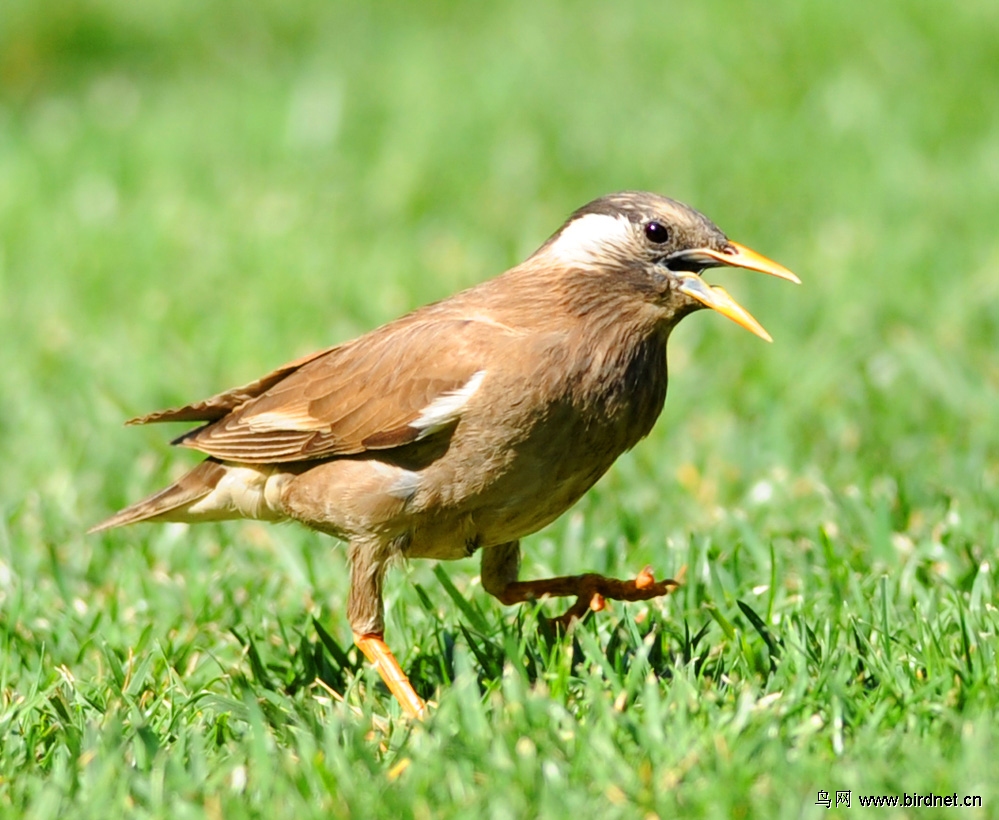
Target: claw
{"points": [[645, 578], [591, 591]]}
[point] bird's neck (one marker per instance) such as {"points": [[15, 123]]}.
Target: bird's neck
{"points": [[600, 345], [612, 343], [620, 378]]}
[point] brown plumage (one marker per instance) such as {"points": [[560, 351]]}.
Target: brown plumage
{"points": [[471, 422]]}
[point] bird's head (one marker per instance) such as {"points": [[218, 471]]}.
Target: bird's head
{"points": [[658, 247]]}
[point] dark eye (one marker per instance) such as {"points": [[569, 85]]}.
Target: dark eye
{"points": [[656, 232]]}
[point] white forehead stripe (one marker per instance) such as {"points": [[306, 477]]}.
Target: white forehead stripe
{"points": [[591, 238], [447, 407]]}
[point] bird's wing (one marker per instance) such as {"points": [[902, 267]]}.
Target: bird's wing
{"points": [[393, 386], [222, 404]]}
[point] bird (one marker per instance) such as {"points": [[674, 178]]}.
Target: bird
{"points": [[469, 423]]}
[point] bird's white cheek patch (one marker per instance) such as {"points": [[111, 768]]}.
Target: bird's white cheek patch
{"points": [[591, 239]]}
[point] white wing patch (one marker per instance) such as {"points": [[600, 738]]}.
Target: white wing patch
{"points": [[591, 239], [446, 408]]}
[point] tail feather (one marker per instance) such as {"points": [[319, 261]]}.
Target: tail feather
{"points": [[191, 486]]}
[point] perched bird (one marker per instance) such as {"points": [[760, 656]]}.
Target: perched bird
{"points": [[471, 422]]}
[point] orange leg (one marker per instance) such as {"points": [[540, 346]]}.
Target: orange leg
{"points": [[590, 590], [376, 650]]}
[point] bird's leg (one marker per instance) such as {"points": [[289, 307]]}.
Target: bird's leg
{"points": [[365, 613], [376, 650], [500, 566]]}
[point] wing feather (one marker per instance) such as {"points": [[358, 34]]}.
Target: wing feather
{"points": [[394, 386], [222, 404]]}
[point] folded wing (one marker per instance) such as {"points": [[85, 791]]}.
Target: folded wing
{"points": [[399, 384]]}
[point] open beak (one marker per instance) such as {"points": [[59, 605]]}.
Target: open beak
{"points": [[717, 298]]}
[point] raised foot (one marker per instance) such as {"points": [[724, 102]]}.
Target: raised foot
{"points": [[377, 652], [591, 591]]}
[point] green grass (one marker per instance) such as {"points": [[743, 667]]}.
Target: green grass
{"points": [[192, 193]]}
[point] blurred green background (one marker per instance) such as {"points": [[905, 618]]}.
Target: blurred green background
{"points": [[193, 193]]}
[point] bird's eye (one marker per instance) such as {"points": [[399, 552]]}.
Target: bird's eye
{"points": [[656, 232]]}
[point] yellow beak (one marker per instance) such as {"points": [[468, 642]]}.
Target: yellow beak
{"points": [[717, 298]]}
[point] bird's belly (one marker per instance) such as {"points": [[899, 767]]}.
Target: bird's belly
{"points": [[534, 500], [513, 507], [510, 493], [485, 490]]}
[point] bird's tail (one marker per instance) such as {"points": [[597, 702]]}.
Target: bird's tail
{"points": [[190, 487]]}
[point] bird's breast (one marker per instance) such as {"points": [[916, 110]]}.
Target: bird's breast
{"points": [[530, 448]]}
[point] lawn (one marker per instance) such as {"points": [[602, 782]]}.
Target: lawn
{"points": [[194, 193]]}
